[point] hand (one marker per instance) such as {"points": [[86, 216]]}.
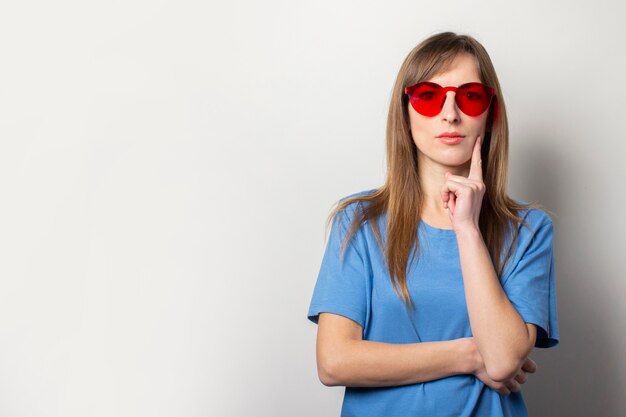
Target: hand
{"points": [[463, 196], [511, 385], [506, 387]]}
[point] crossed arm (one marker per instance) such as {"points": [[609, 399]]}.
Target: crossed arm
{"points": [[497, 354], [504, 340], [343, 358]]}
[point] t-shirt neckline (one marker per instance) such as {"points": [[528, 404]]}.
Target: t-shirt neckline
{"points": [[437, 231]]}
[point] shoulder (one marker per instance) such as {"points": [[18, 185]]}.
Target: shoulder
{"points": [[352, 206], [536, 233], [534, 241], [347, 215], [535, 217], [358, 194]]}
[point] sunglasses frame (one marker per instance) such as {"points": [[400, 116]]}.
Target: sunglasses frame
{"points": [[410, 90]]}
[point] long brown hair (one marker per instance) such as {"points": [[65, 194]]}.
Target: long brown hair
{"points": [[401, 196]]}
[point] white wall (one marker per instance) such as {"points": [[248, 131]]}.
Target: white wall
{"points": [[166, 168]]}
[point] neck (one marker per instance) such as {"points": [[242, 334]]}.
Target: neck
{"points": [[432, 176]]}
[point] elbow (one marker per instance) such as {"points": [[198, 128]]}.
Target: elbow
{"points": [[335, 359], [329, 373], [504, 370], [510, 363], [327, 378], [330, 365]]}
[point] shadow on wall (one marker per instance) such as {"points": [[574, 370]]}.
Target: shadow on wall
{"points": [[581, 376]]}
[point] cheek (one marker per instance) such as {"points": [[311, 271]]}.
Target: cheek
{"points": [[482, 122], [420, 126], [477, 127]]}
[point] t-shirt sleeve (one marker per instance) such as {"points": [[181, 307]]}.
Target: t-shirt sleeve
{"points": [[342, 287], [530, 283]]}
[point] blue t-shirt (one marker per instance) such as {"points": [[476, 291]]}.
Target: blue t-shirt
{"points": [[361, 290]]}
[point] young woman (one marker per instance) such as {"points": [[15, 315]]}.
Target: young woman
{"points": [[435, 287]]}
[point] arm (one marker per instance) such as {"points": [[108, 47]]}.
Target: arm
{"points": [[504, 340], [506, 387], [503, 337], [344, 358]]}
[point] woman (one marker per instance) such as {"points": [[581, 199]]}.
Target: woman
{"points": [[435, 287]]}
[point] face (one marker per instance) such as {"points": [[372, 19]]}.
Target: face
{"points": [[431, 149]]}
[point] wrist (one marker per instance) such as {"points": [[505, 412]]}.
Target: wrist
{"points": [[470, 230], [471, 361]]}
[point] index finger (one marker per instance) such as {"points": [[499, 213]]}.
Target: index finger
{"points": [[476, 171]]}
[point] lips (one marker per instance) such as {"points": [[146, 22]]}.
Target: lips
{"points": [[450, 135], [450, 138]]}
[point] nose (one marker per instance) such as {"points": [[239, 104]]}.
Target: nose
{"points": [[450, 112]]}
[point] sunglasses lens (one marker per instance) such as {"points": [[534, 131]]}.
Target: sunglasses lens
{"points": [[473, 98], [427, 98]]}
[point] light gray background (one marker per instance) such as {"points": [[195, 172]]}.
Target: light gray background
{"points": [[166, 168]]}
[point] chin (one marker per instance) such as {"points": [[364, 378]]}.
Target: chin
{"points": [[451, 156], [452, 161], [453, 164], [457, 156]]}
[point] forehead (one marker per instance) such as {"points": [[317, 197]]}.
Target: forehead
{"points": [[463, 69]]}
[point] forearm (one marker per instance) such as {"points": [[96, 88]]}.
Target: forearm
{"points": [[499, 331], [364, 363]]}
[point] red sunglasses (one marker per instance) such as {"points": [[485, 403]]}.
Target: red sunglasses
{"points": [[472, 98]]}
